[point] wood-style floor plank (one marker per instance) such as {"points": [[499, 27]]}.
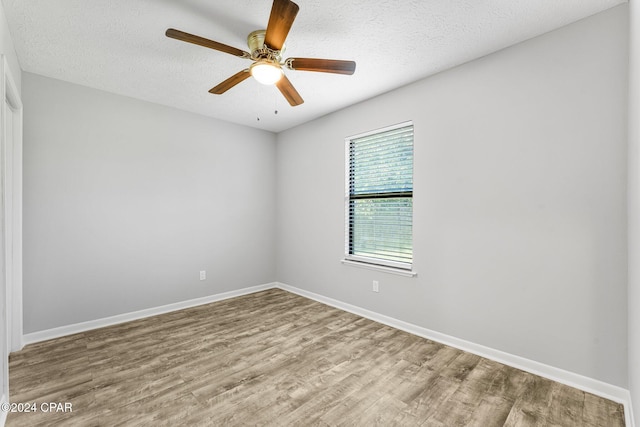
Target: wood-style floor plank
{"points": [[274, 358]]}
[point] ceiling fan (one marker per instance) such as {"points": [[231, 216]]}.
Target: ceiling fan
{"points": [[267, 47]]}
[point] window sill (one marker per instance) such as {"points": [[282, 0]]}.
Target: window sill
{"points": [[383, 268]]}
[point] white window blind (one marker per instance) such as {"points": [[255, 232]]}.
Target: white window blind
{"points": [[380, 197]]}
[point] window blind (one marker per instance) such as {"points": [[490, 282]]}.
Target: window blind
{"points": [[380, 197]]}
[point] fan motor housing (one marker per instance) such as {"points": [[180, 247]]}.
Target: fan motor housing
{"points": [[255, 41]]}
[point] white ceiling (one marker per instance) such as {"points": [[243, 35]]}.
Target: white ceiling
{"points": [[119, 46]]}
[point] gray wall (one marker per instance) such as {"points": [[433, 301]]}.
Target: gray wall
{"points": [[520, 201], [634, 207], [126, 201]]}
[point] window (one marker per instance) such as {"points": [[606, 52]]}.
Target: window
{"points": [[379, 197]]}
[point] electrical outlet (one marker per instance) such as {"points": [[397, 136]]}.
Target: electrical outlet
{"points": [[376, 287], [203, 275]]}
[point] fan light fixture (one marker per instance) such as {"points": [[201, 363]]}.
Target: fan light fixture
{"points": [[266, 72]]}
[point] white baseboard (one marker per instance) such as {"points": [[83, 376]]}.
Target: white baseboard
{"points": [[628, 410], [590, 385], [126, 317]]}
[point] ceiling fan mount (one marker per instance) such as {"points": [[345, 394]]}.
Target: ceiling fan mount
{"points": [[257, 48], [266, 48]]}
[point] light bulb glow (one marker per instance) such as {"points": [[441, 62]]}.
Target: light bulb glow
{"points": [[266, 72]]}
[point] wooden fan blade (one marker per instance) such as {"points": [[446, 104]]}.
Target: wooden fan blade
{"points": [[289, 92], [283, 12], [231, 82], [190, 38], [322, 65]]}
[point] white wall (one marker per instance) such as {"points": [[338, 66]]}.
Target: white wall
{"points": [[8, 51], [126, 201], [634, 206], [519, 201], [7, 48]]}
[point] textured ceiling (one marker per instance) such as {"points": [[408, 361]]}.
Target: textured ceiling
{"points": [[119, 46]]}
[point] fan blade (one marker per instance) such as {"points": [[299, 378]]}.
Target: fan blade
{"points": [[322, 65], [283, 12], [231, 82], [190, 38], [289, 92]]}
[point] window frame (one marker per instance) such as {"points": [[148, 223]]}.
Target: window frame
{"points": [[405, 269]]}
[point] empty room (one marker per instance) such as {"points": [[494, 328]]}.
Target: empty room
{"points": [[276, 212]]}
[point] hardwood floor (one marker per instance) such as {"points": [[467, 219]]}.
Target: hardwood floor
{"points": [[275, 358]]}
